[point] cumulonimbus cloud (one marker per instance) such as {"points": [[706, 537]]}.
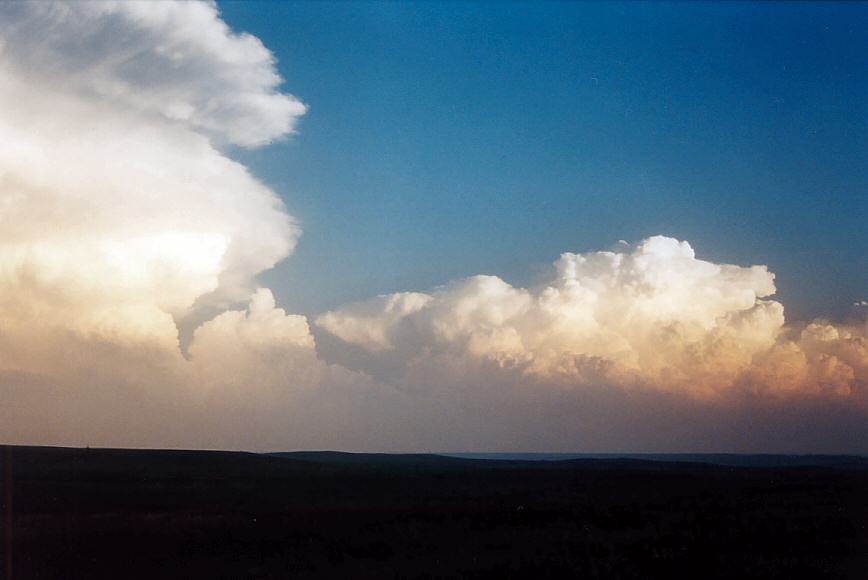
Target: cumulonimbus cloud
{"points": [[117, 204], [124, 223], [120, 214], [650, 315]]}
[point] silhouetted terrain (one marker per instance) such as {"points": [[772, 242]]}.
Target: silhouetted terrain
{"points": [[193, 514]]}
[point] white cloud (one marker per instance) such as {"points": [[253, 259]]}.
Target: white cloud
{"points": [[651, 315], [121, 217], [175, 60], [113, 209], [262, 345], [375, 323]]}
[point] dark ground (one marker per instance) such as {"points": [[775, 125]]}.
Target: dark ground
{"points": [[124, 514]]}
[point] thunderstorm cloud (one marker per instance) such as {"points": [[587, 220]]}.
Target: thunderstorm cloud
{"points": [[130, 314]]}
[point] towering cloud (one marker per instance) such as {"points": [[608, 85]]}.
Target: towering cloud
{"points": [[646, 316], [117, 206], [121, 217], [130, 314]]}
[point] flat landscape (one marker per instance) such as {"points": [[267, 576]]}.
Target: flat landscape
{"points": [[99, 513]]}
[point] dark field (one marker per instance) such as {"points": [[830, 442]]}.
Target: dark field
{"points": [[172, 514]]}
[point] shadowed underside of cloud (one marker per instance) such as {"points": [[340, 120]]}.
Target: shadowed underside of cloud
{"points": [[123, 223]]}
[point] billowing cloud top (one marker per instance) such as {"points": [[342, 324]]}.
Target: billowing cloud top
{"points": [[645, 316], [117, 206], [123, 223], [177, 60]]}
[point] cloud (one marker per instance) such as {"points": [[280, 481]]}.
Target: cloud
{"points": [[116, 208], [174, 60], [262, 345], [130, 314], [647, 316], [123, 222]]}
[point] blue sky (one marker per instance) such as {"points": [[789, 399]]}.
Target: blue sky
{"points": [[450, 139]]}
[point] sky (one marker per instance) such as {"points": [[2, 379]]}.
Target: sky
{"points": [[443, 138], [434, 227]]}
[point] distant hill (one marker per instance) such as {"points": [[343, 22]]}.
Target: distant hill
{"points": [[730, 459]]}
